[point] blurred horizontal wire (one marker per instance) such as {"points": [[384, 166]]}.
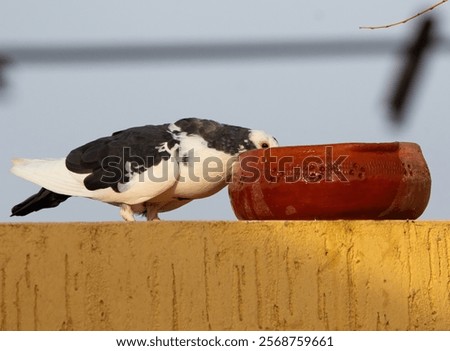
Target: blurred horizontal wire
{"points": [[230, 51], [159, 53]]}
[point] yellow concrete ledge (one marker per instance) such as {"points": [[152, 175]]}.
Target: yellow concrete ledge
{"points": [[340, 275]]}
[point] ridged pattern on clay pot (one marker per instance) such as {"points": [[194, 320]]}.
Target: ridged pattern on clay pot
{"points": [[336, 181]]}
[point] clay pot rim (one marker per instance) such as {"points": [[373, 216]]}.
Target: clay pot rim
{"points": [[351, 146]]}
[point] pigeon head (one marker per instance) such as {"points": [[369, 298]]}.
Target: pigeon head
{"points": [[260, 140]]}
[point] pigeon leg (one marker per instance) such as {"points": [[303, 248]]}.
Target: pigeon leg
{"points": [[152, 212], [126, 213]]}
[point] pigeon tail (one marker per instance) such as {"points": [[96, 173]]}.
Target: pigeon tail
{"points": [[43, 199], [51, 174]]}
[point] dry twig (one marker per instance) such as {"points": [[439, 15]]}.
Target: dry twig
{"points": [[407, 19]]}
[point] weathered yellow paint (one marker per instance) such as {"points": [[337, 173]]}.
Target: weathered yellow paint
{"points": [[337, 275]]}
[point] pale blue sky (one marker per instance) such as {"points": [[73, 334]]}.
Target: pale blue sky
{"points": [[48, 110]]}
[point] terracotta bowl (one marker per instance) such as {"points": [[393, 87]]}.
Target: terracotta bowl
{"points": [[336, 181]]}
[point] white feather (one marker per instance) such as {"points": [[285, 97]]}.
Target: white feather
{"points": [[149, 184], [53, 175], [206, 171]]}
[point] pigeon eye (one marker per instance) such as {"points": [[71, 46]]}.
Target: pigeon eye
{"points": [[264, 145]]}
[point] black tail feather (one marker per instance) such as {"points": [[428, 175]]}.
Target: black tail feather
{"points": [[43, 199]]}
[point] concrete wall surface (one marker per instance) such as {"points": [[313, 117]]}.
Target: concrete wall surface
{"points": [[336, 275]]}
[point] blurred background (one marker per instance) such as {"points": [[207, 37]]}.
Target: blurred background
{"points": [[303, 71]]}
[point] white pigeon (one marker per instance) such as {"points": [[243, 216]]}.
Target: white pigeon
{"points": [[144, 170]]}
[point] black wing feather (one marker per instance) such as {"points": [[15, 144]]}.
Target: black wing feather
{"points": [[105, 158], [42, 199]]}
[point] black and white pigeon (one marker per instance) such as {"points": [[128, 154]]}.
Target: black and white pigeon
{"points": [[144, 170]]}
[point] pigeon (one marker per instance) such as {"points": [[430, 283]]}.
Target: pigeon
{"points": [[143, 170]]}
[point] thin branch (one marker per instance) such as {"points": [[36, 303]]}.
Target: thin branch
{"points": [[407, 19]]}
